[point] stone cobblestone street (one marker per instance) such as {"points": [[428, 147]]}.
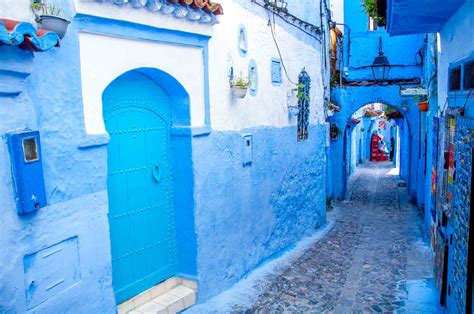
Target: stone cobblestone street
{"points": [[373, 260]]}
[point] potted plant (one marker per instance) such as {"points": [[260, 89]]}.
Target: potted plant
{"points": [[334, 131], [294, 110], [423, 103], [240, 86], [49, 17]]}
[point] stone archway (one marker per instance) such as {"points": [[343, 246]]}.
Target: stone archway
{"points": [[351, 99]]}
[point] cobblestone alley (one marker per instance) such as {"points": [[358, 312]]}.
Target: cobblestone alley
{"points": [[373, 260]]}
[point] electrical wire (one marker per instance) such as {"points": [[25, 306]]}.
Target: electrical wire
{"points": [[294, 18]]}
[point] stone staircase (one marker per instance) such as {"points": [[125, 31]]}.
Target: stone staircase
{"points": [[171, 296]]}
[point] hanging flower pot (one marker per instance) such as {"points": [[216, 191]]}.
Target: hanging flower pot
{"points": [[294, 110], [334, 132], [424, 106], [54, 24], [239, 92], [49, 17], [239, 86]]}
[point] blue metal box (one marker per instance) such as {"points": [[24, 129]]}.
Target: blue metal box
{"points": [[27, 171]]}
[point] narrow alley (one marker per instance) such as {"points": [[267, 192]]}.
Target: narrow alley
{"points": [[374, 258], [236, 156]]}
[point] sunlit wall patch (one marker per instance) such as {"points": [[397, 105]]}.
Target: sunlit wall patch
{"points": [[243, 42], [253, 77]]}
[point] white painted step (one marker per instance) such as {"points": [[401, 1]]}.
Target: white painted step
{"points": [[172, 296]]}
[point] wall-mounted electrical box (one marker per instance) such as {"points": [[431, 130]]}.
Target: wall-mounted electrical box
{"points": [[27, 171], [247, 150]]}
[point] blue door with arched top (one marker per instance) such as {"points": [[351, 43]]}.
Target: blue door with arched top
{"points": [[140, 184]]}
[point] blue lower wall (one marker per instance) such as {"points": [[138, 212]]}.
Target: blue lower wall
{"points": [[245, 215]]}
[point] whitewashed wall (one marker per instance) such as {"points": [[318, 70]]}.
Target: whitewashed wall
{"points": [[456, 44], [337, 11], [269, 107], [16, 10]]}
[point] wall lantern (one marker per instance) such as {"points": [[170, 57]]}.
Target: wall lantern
{"points": [[380, 66]]}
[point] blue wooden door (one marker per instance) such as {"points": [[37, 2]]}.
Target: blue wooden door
{"points": [[140, 184]]}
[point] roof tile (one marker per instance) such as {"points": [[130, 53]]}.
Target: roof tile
{"points": [[26, 36]]}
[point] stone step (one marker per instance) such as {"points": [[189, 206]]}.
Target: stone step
{"points": [[169, 297]]}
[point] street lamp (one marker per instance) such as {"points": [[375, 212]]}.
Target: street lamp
{"points": [[380, 66]]}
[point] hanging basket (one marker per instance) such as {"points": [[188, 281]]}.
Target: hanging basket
{"points": [[424, 106], [54, 24], [294, 110], [239, 92]]}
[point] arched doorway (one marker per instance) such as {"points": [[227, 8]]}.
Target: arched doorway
{"points": [[371, 121], [138, 118]]}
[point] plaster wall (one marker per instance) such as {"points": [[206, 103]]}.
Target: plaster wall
{"points": [[76, 215], [456, 44], [364, 46], [337, 11], [270, 105], [242, 215], [17, 10], [102, 62], [139, 16], [263, 209], [269, 205]]}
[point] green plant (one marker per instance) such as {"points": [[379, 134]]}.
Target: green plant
{"points": [[240, 82], [301, 94], [334, 130], [370, 8], [42, 6], [420, 98]]}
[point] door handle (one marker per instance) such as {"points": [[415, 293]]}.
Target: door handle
{"points": [[156, 173]]}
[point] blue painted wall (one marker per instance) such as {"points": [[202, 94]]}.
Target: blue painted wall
{"points": [[265, 207], [75, 182], [353, 98], [364, 46], [360, 49], [231, 218]]}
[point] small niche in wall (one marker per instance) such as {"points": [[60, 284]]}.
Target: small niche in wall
{"points": [[243, 43], [247, 150], [253, 78], [276, 72]]}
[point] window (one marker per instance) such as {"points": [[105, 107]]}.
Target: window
{"points": [[276, 72], [469, 75], [304, 85], [372, 24], [30, 149], [455, 79]]}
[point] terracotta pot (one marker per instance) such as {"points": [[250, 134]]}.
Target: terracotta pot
{"points": [[424, 106]]}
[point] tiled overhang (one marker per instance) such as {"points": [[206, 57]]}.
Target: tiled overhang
{"points": [[26, 36], [202, 11], [419, 17]]}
